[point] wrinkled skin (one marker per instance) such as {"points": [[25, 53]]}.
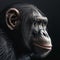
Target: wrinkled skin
{"points": [[26, 26]]}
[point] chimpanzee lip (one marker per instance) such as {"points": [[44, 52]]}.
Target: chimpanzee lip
{"points": [[42, 46]]}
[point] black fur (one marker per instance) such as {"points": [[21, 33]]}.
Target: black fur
{"points": [[12, 43]]}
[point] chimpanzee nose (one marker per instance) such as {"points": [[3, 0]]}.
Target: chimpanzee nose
{"points": [[44, 33]]}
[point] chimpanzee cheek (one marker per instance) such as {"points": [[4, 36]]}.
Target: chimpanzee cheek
{"points": [[26, 33]]}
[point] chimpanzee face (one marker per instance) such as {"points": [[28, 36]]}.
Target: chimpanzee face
{"points": [[33, 28], [35, 33]]}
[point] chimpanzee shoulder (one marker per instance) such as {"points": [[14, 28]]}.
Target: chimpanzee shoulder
{"points": [[6, 50]]}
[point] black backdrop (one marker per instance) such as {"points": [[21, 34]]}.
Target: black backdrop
{"points": [[52, 10]]}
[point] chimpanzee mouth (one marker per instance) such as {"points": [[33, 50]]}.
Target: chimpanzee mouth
{"points": [[41, 45]]}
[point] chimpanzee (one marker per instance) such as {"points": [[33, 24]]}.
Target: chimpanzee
{"points": [[23, 33]]}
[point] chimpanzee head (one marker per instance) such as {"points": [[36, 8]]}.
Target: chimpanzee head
{"points": [[31, 23]]}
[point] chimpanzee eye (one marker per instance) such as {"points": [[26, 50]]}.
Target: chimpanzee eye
{"points": [[45, 23], [35, 23], [40, 22]]}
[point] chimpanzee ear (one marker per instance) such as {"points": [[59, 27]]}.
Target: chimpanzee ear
{"points": [[12, 17]]}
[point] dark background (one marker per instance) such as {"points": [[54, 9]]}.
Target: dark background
{"points": [[52, 10]]}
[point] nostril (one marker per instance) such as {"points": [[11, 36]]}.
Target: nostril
{"points": [[44, 34]]}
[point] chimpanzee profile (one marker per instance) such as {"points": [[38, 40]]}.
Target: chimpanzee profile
{"points": [[23, 33]]}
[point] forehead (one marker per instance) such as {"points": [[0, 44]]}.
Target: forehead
{"points": [[38, 16], [33, 12]]}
